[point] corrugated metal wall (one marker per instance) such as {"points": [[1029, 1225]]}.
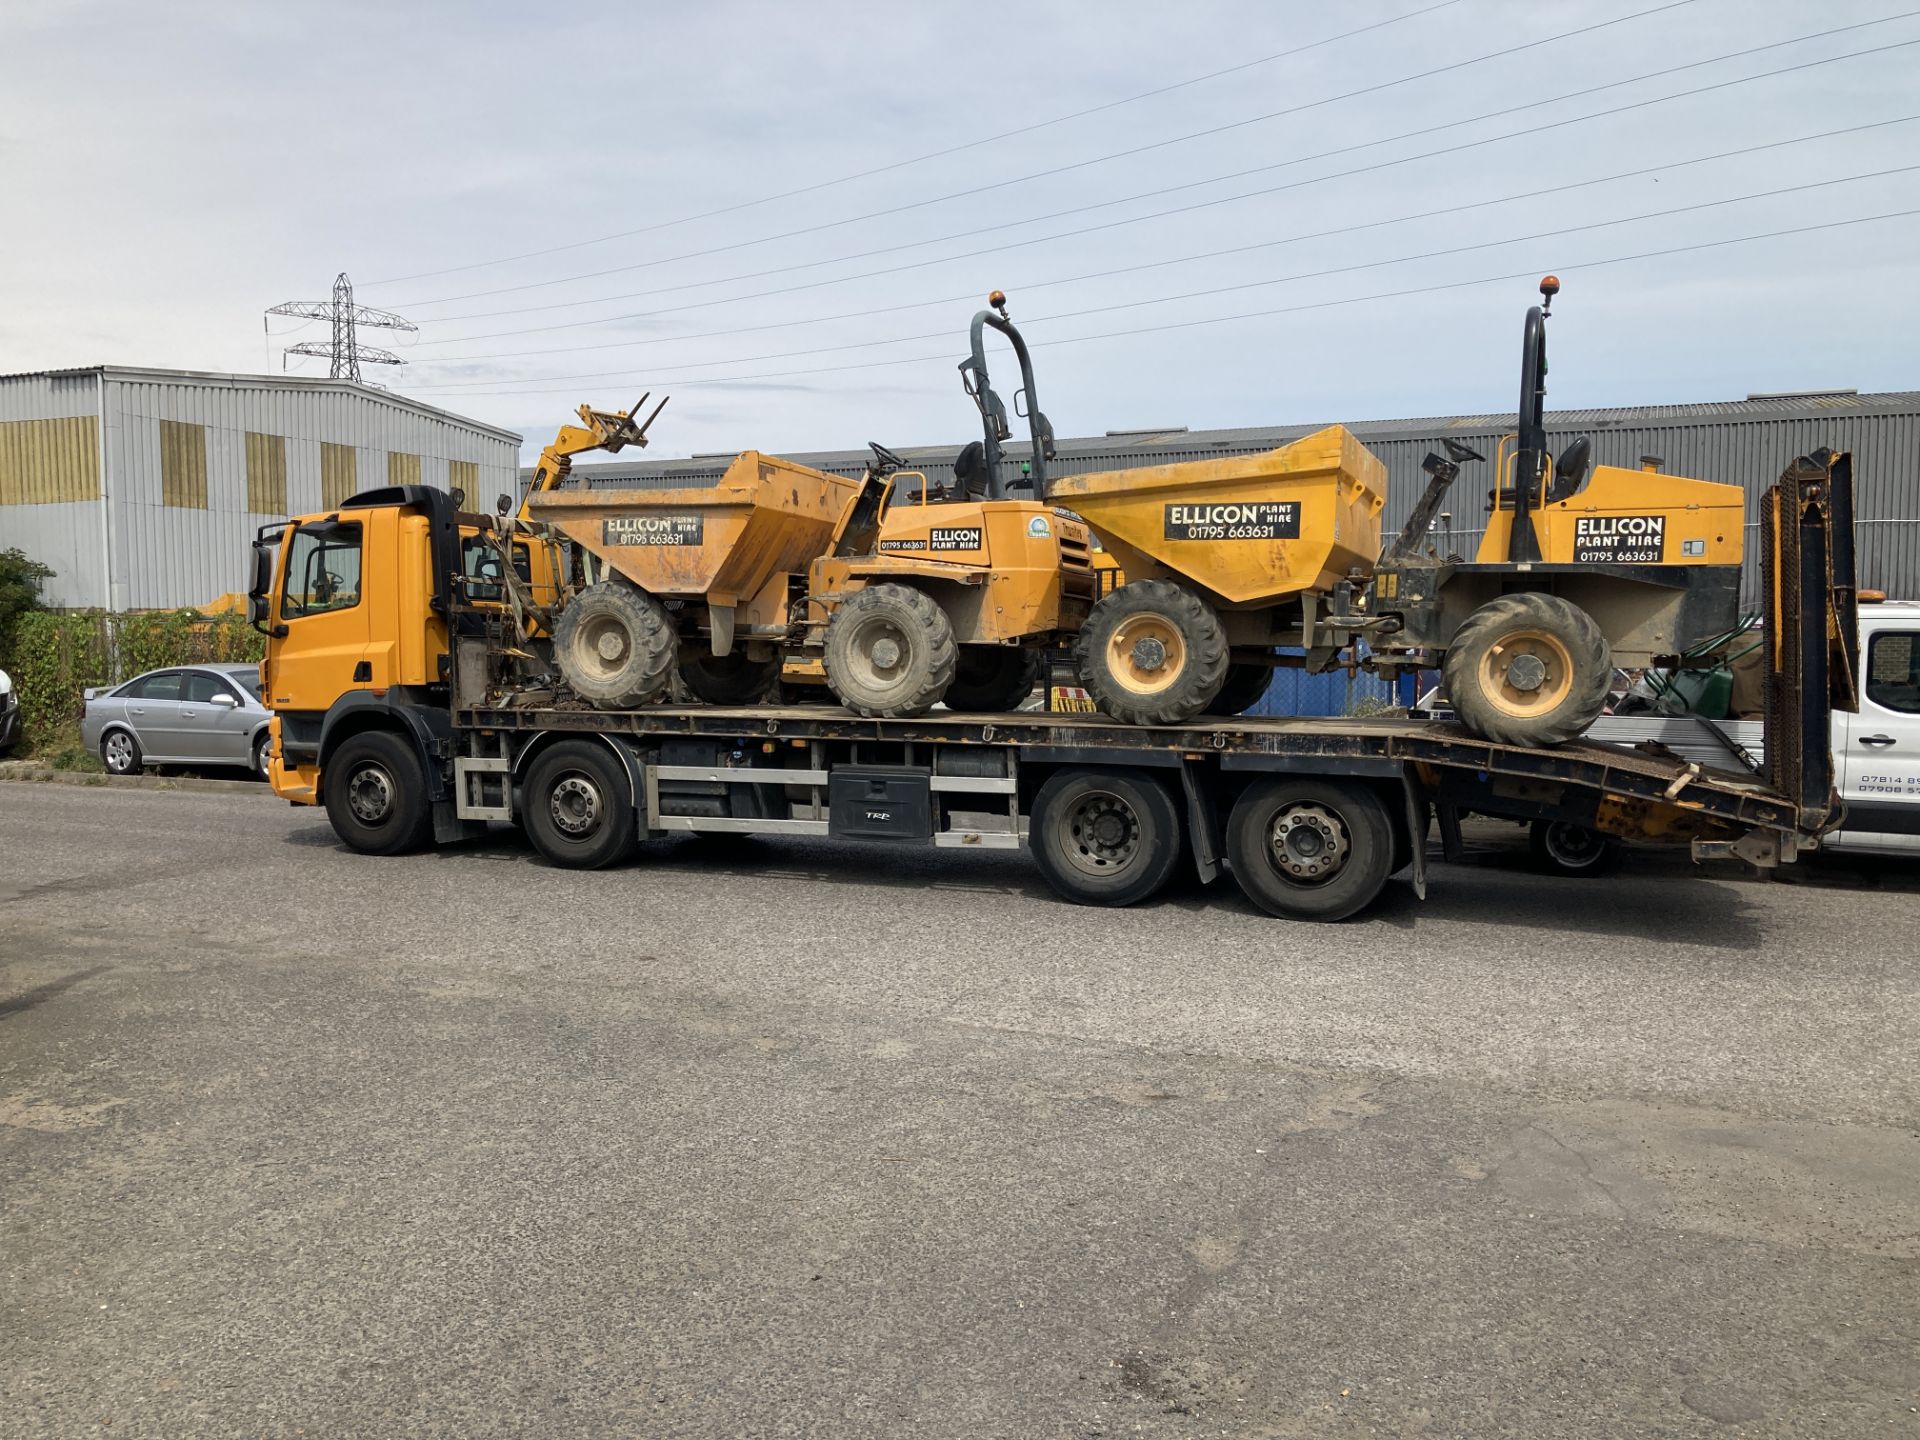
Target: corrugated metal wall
{"points": [[190, 459], [1744, 442], [70, 536]]}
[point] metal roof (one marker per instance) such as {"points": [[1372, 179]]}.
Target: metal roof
{"points": [[270, 382], [1140, 446]]}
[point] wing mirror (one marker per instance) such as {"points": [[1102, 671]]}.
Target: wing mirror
{"points": [[224, 701]]}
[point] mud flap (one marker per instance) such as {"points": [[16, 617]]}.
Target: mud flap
{"points": [[1417, 820], [1202, 826]]}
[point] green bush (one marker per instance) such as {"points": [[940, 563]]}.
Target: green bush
{"points": [[54, 656]]}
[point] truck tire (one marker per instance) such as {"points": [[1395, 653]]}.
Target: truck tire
{"points": [[615, 646], [729, 679], [1246, 685], [993, 678], [890, 652], [1310, 849], [376, 794], [577, 803], [1105, 837], [1528, 669], [1561, 847], [1152, 653]]}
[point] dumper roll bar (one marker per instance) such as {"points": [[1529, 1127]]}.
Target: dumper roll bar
{"points": [[993, 412], [1530, 443]]}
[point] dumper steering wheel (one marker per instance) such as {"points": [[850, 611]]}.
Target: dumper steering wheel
{"points": [[885, 462]]}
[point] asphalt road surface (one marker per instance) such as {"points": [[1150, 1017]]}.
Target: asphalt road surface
{"points": [[769, 1138]]}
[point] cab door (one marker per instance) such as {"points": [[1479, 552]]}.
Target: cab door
{"points": [[323, 652], [1879, 758]]}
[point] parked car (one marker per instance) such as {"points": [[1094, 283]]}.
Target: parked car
{"points": [[184, 715], [9, 714]]}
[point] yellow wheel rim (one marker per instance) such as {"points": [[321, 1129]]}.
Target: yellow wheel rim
{"points": [[1146, 654], [1526, 673]]}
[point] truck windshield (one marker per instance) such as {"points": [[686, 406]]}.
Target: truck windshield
{"points": [[323, 569]]}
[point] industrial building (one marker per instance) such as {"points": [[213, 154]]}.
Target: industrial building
{"points": [[1746, 441], [142, 489]]}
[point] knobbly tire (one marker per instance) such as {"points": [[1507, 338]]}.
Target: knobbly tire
{"points": [[1561, 847], [890, 652], [729, 679], [1152, 653], [993, 678], [615, 646], [1245, 687], [577, 805], [1528, 669], [376, 794], [1310, 849], [1105, 837]]}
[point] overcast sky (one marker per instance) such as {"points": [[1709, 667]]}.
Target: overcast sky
{"points": [[172, 170]]}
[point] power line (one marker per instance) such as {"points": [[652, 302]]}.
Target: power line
{"points": [[1027, 286], [1463, 146], [1434, 289], [472, 387], [931, 154], [894, 210]]}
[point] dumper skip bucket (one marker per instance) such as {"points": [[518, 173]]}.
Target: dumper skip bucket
{"points": [[1252, 529], [723, 542]]}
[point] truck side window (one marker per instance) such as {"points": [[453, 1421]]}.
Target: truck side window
{"points": [[482, 565], [1893, 670], [323, 569]]}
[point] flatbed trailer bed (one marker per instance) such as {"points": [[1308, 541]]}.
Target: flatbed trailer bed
{"points": [[1356, 797]]}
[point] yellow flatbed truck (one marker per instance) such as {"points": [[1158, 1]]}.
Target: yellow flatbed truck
{"points": [[415, 716]]}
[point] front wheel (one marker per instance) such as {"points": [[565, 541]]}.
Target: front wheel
{"points": [[1152, 653], [615, 646], [262, 754], [1105, 837], [1528, 669], [1561, 847], [376, 794], [1310, 849], [578, 806]]}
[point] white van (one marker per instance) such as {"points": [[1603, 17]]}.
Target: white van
{"points": [[1877, 752]]}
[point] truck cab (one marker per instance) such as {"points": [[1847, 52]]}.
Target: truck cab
{"points": [[356, 605]]}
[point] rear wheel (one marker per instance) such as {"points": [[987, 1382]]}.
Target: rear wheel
{"points": [[1564, 848], [615, 646], [120, 753], [1105, 837], [1528, 669], [577, 804], [890, 651], [992, 678], [1152, 653], [376, 794], [1246, 686], [1310, 849], [729, 679]]}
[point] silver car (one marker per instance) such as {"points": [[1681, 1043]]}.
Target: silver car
{"points": [[184, 715]]}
